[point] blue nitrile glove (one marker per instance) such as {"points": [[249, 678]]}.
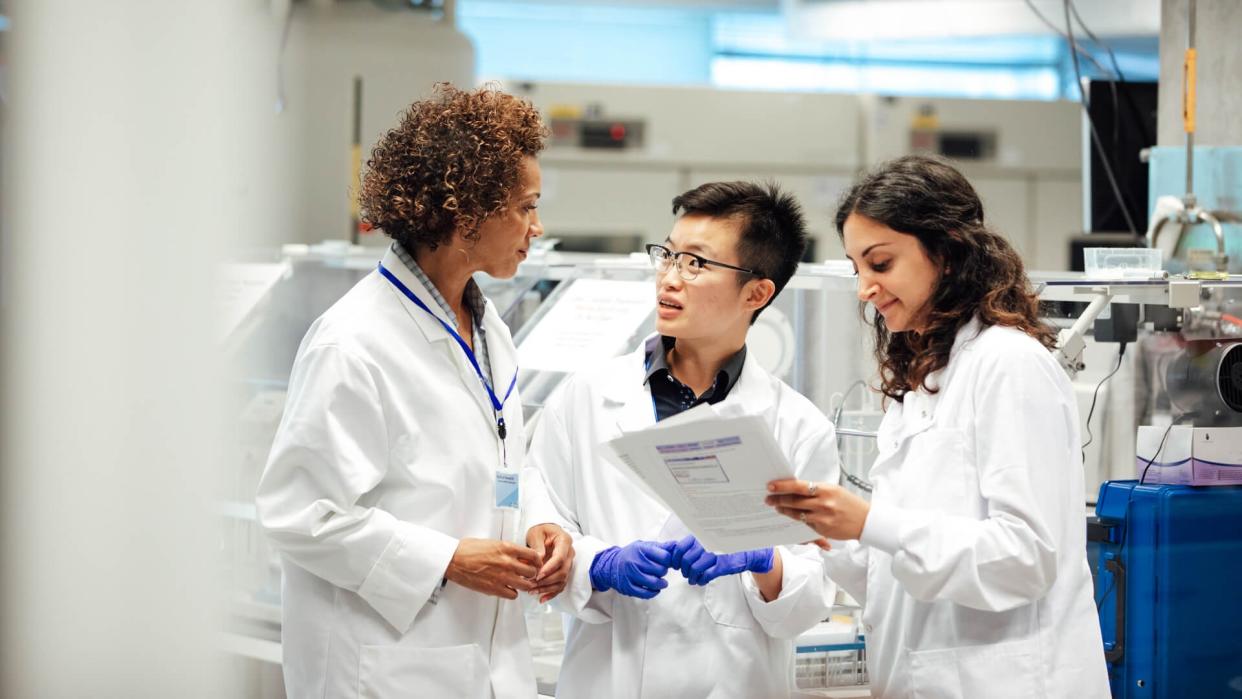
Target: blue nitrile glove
{"points": [[756, 561], [691, 558], [636, 569]]}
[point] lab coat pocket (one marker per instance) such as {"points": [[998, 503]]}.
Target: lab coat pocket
{"points": [[1003, 670], [936, 473], [385, 672], [725, 599]]}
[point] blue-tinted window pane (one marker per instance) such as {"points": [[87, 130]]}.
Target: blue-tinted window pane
{"points": [[891, 79]]}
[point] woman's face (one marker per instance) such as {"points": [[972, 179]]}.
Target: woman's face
{"points": [[895, 274], [504, 238]]}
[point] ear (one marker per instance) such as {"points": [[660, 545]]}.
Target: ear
{"points": [[758, 292], [462, 239]]}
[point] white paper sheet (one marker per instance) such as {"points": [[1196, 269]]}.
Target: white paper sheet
{"points": [[713, 472], [241, 287], [590, 323]]}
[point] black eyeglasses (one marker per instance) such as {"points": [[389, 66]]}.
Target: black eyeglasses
{"points": [[688, 264]]}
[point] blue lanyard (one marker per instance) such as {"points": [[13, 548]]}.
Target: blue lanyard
{"points": [[497, 404]]}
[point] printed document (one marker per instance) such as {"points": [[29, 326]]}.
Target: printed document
{"points": [[712, 471]]}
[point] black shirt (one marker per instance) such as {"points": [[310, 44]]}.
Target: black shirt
{"points": [[672, 396]]}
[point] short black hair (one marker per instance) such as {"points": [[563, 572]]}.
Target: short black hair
{"points": [[773, 235]]}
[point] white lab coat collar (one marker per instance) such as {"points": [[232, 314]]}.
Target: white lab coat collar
{"points": [[917, 412], [500, 354], [752, 394], [432, 330]]}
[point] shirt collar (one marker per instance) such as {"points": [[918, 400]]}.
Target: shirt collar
{"points": [[657, 360], [473, 295]]}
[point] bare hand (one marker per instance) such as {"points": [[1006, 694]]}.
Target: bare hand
{"points": [[555, 549], [497, 568], [832, 511]]}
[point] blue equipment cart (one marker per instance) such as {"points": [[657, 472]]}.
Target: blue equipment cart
{"points": [[1168, 586]]}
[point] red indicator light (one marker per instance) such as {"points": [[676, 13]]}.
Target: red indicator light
{"points": [[617, 132]]}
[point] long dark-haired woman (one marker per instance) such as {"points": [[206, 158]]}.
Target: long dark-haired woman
{"points": [[970, 558]]}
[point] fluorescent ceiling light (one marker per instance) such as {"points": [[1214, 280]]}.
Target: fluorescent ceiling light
{"points": [[852, 20]]}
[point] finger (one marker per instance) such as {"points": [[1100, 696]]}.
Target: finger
{"points": [[643, 593], [692, 556], [823, 544], [795, 501], [683, 547], [704, 576], [545, 588], [705, 562], [522, 553], [792, 514], [655, 553], [650, 582], [557, 578], [534, 540], [787, 485], [561, 549], [651, 568]]}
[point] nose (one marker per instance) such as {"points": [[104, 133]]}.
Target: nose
{"points": [[867, 288], [536, 228], [670, 278]]}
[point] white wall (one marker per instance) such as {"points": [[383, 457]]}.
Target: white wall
{"points": [[129, 157], [815, 145], [400, 55]]}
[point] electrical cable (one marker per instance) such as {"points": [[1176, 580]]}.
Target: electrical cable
{"points": [[1132, 108], [1075, 50], [1095, 136], [1095, 396], [1121, 543], [1074, 46]]}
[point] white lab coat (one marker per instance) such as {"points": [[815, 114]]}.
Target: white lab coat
{"points": [[384, 459], [720, 640], [972, 564]]}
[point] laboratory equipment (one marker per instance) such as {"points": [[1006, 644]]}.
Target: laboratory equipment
{"points": [[1122, 263], [831, 655], [1166, 558]]}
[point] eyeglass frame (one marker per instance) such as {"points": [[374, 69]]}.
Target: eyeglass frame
{"points": [[674, 258]]}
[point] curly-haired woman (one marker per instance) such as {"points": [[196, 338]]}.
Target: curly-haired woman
{"points": [[391, 487], [970, 559]]}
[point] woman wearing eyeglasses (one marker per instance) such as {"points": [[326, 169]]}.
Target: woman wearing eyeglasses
{"points": [[654, 613]]}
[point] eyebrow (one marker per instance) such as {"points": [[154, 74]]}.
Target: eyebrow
{"points": [[693, 247], [867, 251]]}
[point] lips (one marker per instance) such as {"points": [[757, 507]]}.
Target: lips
{"points": [[666, 302], [882, 308]]}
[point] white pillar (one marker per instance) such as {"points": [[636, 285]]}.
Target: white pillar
{"points": [[124, 139]]}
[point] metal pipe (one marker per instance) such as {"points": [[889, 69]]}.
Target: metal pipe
{"points": [[1188, 106], [1222, 260]]}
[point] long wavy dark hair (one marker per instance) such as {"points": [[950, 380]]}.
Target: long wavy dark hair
{"points": [[982, 276]]}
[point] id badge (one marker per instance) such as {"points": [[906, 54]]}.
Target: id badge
{"points": [[507, 489]]}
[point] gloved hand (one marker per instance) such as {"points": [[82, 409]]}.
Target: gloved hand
{"points": [[756, 561], [636, 569], [692, 559]]}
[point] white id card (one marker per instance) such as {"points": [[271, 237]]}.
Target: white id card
{"points": [[507, 489]]}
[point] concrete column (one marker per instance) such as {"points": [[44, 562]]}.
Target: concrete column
{"points": [[1219, 99]]}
